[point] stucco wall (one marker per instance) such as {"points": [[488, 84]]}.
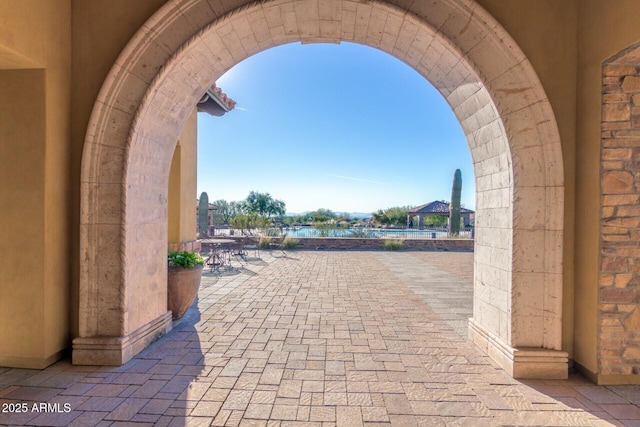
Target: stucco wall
{"points": [[603, 32], [183, 185], [21, 221], [35, 63], [567, 44]]}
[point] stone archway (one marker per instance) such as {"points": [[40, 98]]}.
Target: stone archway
{"points": [[457, 46]]}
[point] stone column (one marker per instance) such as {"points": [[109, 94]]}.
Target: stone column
{"points": [[619, 279]]}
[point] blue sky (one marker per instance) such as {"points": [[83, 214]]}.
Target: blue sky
{"points": [[341, 127]]}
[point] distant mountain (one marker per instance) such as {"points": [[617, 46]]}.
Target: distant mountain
{"points": [[360, 214]]}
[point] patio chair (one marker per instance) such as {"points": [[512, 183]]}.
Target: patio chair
{"points": [[214, 260], [278, 243], [239, 252], [252, 243]]}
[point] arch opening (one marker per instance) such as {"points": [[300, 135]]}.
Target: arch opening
{"points": [[325, 126], [459, 49]]}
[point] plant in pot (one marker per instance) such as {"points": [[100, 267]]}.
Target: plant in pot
{"points": [[183, 281]]}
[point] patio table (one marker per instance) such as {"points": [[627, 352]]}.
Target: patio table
{"points": [[219, 256]]}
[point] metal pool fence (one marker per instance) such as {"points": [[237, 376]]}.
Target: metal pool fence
{"points": [[362, 233], [375, 233]]}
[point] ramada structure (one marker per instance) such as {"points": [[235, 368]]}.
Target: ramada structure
{"points": [[98, 120], [437, 208]]}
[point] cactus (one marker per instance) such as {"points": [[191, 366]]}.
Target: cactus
{"points": [[454, 207], [203, 215]]}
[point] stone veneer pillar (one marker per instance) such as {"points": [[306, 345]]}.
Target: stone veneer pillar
{"points": [[619, 267]]}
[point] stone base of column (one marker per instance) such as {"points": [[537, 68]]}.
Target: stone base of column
{"points": [[116, 351], [521, 362]]}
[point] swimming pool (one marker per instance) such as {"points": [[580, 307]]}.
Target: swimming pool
{"points": [[372, 233]]}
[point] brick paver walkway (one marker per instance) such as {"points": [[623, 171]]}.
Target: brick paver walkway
{"points": [[317, 339]]}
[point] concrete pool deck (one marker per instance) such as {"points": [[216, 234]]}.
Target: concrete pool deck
{"points": [[317, 339]]}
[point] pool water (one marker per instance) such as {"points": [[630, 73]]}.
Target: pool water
{"points": [[375, 233]]}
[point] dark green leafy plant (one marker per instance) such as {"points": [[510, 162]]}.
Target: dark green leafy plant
{"points": [[185, 259], [264, 204], [396, 216]]}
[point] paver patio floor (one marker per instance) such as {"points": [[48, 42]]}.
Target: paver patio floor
{"points": [[318, 339]]}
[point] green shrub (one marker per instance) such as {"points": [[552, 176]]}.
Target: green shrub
{"points": [[290, 243], [362, 233], [273, 232], [325, 229], [392, 245], [264, 242], [185, 259]]}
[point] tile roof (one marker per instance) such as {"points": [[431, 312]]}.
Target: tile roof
{"points": [[436, 207], [215, 102], [211, 205]]}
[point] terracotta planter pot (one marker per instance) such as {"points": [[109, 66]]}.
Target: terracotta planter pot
{"points": [[182, 288]]}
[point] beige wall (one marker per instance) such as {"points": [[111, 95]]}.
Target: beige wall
{"points": [[567, 45], [183, 185], [603, 32], [22, 151], [35, 64], [48, 116]]}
